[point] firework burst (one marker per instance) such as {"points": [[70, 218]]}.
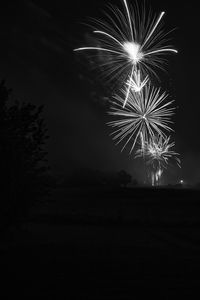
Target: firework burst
{"points": [[147, 112], [158, 151], [132, 39]]}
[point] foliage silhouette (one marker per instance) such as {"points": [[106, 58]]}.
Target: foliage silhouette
{"points": [[23, 134]]}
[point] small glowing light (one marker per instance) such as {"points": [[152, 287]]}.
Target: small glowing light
{"points": [[133, 51], [181, 181]]}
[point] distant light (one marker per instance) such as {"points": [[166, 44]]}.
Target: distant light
{"points": [[181, 181]]}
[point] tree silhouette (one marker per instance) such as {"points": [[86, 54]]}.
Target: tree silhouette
{"points": [[123, 178], [23, 162]]}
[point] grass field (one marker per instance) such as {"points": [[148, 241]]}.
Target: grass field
{"points": [[106, 244]]}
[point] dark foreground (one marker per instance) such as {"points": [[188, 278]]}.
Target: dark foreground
{"points": [[105, 244]]}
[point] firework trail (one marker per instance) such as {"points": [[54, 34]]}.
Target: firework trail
{"points": [[156, 177], [134, 39], [147, 112]]}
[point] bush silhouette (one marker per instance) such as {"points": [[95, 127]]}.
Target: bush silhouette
{"points": [[123, 178]]}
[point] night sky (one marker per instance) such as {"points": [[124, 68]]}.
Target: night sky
{"points": [[38, 63]]}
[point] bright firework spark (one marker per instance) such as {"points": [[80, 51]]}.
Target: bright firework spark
{"points": [[158, 151], [133, 39], [146, 112], [135, 83]]}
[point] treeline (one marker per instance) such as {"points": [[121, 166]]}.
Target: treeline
{"points": [[90, 177]]}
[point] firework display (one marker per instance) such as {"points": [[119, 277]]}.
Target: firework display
{"points": [[132, 45]]}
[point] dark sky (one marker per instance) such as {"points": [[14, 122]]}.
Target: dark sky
{"points": [[37, 61]]}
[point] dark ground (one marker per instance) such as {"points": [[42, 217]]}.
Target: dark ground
{"points": [[106, 244]]}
